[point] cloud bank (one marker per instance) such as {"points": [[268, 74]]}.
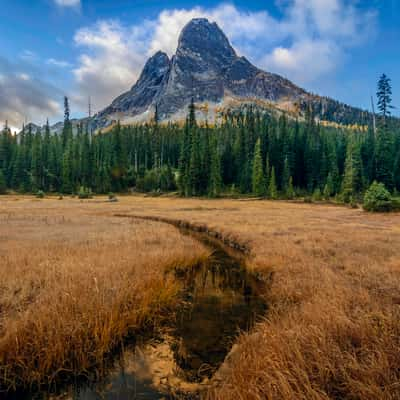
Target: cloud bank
{"points": [[305, 42], [24, 97]]}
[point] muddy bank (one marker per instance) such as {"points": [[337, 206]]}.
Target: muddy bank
{"points": [[190, 227]]}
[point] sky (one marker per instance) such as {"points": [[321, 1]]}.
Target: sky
{"points": [[97, 48]]}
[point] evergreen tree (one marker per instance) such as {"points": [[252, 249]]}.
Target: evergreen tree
{"points": [[67, 170], [290, 193], [352, 180], [286, 176], [384, 95], [67, 128], [215, 174], [192, 114], [272, 188], [385, 158], [194, 176], [267, 170], [329, 187], [258, 178]]}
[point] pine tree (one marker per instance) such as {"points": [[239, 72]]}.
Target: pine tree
{"points": [[258, 178], [36, 167], [285, 176], [290, 193], [194, 176], [272, 188], [385, 158], [215, 170], [184, 161], [67, 170], [267, 170], [329, 187], [67, 128], [192, 114], [384, 95], [352, 180]]}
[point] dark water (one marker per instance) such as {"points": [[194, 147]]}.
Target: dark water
{"points": [[220, 298]]}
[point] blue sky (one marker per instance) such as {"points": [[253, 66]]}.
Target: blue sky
{"points": [[52, 48]]}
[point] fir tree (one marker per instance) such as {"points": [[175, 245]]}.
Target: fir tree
{"points": [[385, 158], [258, 178], [67, 170], [286, 176], [272, 188], [352, 180], [384, 95], [329, 187], [67, 128], [215, 173], [290, 193]]}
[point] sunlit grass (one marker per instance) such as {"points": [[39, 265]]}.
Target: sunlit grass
{"points": [[73, 286], [333, 325]]}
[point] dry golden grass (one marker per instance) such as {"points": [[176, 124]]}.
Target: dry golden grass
{"points": [[74, 284], [333, 329]]}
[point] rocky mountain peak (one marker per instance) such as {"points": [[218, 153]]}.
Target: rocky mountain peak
{"points": [[204, 41], [154, 69], [205, 68]]}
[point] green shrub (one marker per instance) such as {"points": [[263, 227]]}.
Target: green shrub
{"points": [[40, 194], [85, 193], [377, 198], [317, 196]]}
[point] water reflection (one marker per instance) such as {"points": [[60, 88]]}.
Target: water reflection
{"points": [[220, 298]]}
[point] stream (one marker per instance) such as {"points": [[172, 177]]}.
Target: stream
{"points": [[219, 299]]}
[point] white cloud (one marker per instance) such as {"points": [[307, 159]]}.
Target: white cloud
{"points": [[304, 61], [308, 41], [114, 57], [239, 26], [58, 63], [24, 97], [68, 3]]}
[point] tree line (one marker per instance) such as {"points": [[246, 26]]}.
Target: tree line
{"points": [[249, 152]]}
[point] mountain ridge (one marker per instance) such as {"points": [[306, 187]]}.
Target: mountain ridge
{"points": [[205, 67]]}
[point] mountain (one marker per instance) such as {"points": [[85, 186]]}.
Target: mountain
{"points": [[206, 68]]}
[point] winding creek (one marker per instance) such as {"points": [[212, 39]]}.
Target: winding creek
{"points": [[220, 298]]}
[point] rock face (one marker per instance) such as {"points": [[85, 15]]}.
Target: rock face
{"points": [[205, 68]]}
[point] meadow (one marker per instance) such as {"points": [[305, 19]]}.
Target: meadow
{"points": [[74, 283], [75, 279]]}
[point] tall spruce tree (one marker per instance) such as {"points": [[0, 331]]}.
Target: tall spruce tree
{"points": [[352, 180], [272, 188], [258, 178], [67, 128], [384, 94], [215, 185]]}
